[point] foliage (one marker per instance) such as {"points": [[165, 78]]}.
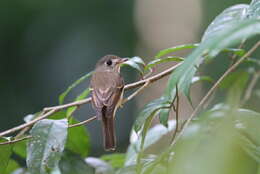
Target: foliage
{"points": [[224, 138]]}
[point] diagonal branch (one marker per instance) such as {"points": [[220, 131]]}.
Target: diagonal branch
{"points": [[50, 110]]}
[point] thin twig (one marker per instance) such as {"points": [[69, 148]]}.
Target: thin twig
{"points": [[177, 114], [83, 122], [50, 110], [250, 87], [204, 99], [16, 140]]}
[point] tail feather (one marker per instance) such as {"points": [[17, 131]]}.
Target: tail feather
{"points": [[109, 133]]}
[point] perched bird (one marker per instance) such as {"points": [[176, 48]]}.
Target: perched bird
{"points": [[107, 93]]}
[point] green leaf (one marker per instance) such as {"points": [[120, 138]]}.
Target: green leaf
{"points": [[226, 19], [5, 151], [83, 95], [173, 49], [149, 111], [163, 60], [153, 136], [73, 164], [99, 165], [136, 63], [12, 166], [19, 148], [222, 39], [254, 9], [116, 160], [73, 85], [78, 139], [45, 148], [164, 116]]}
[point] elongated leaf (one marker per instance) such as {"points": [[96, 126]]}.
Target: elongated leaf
{"points": [[196, 79], [116, 160], [220, 40], [78, 139], [226, 19], [83, 95], [73, 85], [73, 164], [136, 63], [20, 148], [254, 9], [164, 60], [12, 166], [150, 110], [45, 148], [176, 48], [5, 153], [153, 135]]}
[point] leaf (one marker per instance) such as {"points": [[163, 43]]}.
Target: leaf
{"points": [[19, 148], [12, 166], [116, 160], [5, 151], [164, 60], [164, 116], [196, 79], [73, 164], [153, 135], [73, 85], [149, 111], [226, 19], [136, 63], [78, 139], [83, 95], [254, 9], [222, 39], [45, 148], [99, 165], [173, 49]]}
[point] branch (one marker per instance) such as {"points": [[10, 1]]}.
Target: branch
{"points": [[213, 88], [16, 140], [50, 110]]}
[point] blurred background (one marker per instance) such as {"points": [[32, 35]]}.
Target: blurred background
{"points": [[46, 45]]}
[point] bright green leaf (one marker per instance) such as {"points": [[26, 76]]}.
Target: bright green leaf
{"points": [[19, 148], [73, 85], [173, 49], [45, 148], [83, 95], [5, 153], [78, 139], [12, 166], [116, 160]]}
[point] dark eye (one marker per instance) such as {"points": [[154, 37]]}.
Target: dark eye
{"points": [[109, 62]]}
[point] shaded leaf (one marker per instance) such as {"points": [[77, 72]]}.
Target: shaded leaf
{"points": [[136, 63], [73, 164], [101, 167], [153, 135], [226, 19], [5, 153], [73, 85], [149, 111], [12, 166], [78, 139], [82, 96], [45, 148], [254, 9], [116, 160], [19, 148], [164, 116]]}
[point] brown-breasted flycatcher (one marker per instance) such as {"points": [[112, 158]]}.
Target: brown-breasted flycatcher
{"points": [[108, 86]]}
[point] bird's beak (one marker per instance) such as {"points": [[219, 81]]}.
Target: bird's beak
{"points": [[121, 60]]}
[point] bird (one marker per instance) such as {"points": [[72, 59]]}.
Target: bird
{"points": [[107, 94]]}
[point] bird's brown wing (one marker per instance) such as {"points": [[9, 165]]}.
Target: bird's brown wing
{"points": [[107, 90]]}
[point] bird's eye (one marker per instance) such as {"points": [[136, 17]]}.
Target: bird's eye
{"points": [[109, 62]]}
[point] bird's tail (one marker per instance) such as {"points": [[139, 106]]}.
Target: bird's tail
{"points": [[109, 133]]}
